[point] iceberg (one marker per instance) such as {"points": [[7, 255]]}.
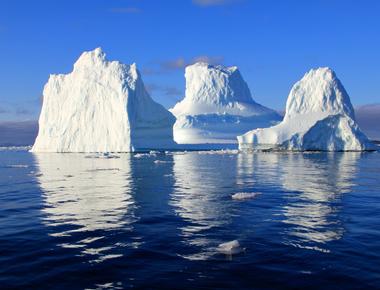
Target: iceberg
{"points": [[217, 107], [101, 106], [319, 116]]}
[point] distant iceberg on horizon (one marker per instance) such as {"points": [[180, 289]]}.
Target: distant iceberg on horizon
{"points": [[217, 107], [319, 117], [101, 106]]}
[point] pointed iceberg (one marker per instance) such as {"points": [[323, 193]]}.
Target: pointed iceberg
{"points": [[319, 116], [217, 106], [101, 106]]}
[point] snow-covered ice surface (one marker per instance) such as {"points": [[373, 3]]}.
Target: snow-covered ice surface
{"points": [[101, 106], [217, 107], [319, 116]]}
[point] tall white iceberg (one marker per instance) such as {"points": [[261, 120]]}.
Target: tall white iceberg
{"points": [[217, 106], [319, 116], [101, 106]]}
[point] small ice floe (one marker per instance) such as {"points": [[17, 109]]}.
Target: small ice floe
{"points": [[140, 155], [15, 148], [230, 248], [244, 195], [160, 161], [105, 155], [219, 152], [18, 166], [103, 169]]}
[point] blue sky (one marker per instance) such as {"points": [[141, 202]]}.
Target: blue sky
{"points": [[273, 42]]}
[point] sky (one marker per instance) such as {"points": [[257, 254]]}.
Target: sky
{"points": [[273, 42]]}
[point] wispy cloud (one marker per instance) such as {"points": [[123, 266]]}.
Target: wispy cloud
{"points": [[164, 90], [18, 133], [208, 3], [172, 92], [3, 111], [180, 63], [125, 10], [174, 64], [22, 111], [209, 59], [368, 118]]}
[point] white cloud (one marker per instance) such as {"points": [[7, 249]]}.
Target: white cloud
{"points": [[206, 3], [180, 63], [125, 10]]}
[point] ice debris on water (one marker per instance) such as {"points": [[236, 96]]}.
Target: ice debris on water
{"points": [[244, 195], [219, 152], [18, 166], [160, 161], [230, 248], [105, 155]]}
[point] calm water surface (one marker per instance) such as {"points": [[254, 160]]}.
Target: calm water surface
{"points": [[75, 221]]}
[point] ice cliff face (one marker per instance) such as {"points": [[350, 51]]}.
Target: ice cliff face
{"points": [[101, 106], [217, 106], [319, 116]]}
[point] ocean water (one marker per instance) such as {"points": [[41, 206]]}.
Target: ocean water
{"points": [[155, 221]]}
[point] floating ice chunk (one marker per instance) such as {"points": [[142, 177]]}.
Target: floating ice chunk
{"points": [[140, 155], [244, 195], [18, 166], [230, 248], [103, 169], [103, 156], [15, 148], [160, 161], [219, 152]]}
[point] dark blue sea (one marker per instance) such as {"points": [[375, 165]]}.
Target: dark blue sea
{"points": [[155, 221]]}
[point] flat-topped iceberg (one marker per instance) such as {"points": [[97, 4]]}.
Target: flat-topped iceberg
{"points": [[101, 106], [217, 106], [319, 116]]}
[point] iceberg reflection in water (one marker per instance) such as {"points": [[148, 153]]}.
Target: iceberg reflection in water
{"points": [[86, 193], [198, 200], [316, 186], [163, 219], [313, 185]]}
